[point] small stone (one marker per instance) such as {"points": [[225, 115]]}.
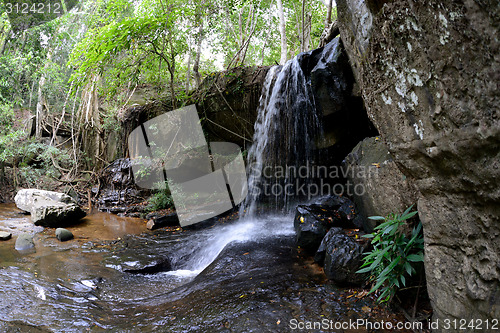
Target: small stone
{"points": [[151, 224], [24, 242], [63, 234], [5, 235]]}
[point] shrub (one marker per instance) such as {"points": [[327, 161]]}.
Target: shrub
{"points": [[31, 163], [160, 200], [394, 255]]}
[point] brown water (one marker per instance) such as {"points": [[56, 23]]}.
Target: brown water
{"points": [[72, 259], [56, 286]]}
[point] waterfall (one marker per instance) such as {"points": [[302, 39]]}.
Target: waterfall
{"points": [[285, 130], [286, 127]]}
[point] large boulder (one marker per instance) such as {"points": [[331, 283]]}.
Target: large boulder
{"points": [[47, 208], [337, 99], [428, 74], [159, 220], [309, 229], [331, 79], [377, 185], [227, 101], [313, 221], [341, 256]]}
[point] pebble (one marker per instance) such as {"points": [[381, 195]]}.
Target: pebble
{"points": [[5, 235], [63, 234], [24, 242]]}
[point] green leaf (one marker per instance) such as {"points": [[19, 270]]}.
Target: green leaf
{"points": [[390, 260], [407, 216], [407, 210], [379, 258], [364, 270], [416, 236], [415, 257], [408, 268], [379, 283], [376, 218], [391, 266], [385, 296]]}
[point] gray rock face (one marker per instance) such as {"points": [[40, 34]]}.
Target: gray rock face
{"points": [[330, 79], [117, 187], [24, 242], [63, 234], [378, 186], [429, 79], [341, 257], [229, 99], [47, 208]]}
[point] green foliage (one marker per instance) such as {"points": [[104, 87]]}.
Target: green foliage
{"points": [[6, 118], [394, 255], [151, 41], [315, 12], [36, 163], [160, 200], [10, 146], [26, 55], [121, 44], [141, 47]]}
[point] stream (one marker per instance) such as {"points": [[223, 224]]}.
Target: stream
{"points": [[235, 276]]}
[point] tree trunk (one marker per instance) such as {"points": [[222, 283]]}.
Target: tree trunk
{"points": [[31, 93], [188, 72], [240, 27], [40, 114], [88, 131], [171, 70], [284, 50], [329, 14], [4, 41], [196, 65], [303, 36], [306, 33], [249, 30], [263, 51]]}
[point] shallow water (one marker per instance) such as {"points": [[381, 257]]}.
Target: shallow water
{"points": [[235, 276], [63, 281]]}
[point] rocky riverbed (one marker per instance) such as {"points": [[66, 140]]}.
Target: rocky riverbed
{"points": [[233, 276]]}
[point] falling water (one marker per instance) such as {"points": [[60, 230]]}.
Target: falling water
{"points": [[286, 126]]}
